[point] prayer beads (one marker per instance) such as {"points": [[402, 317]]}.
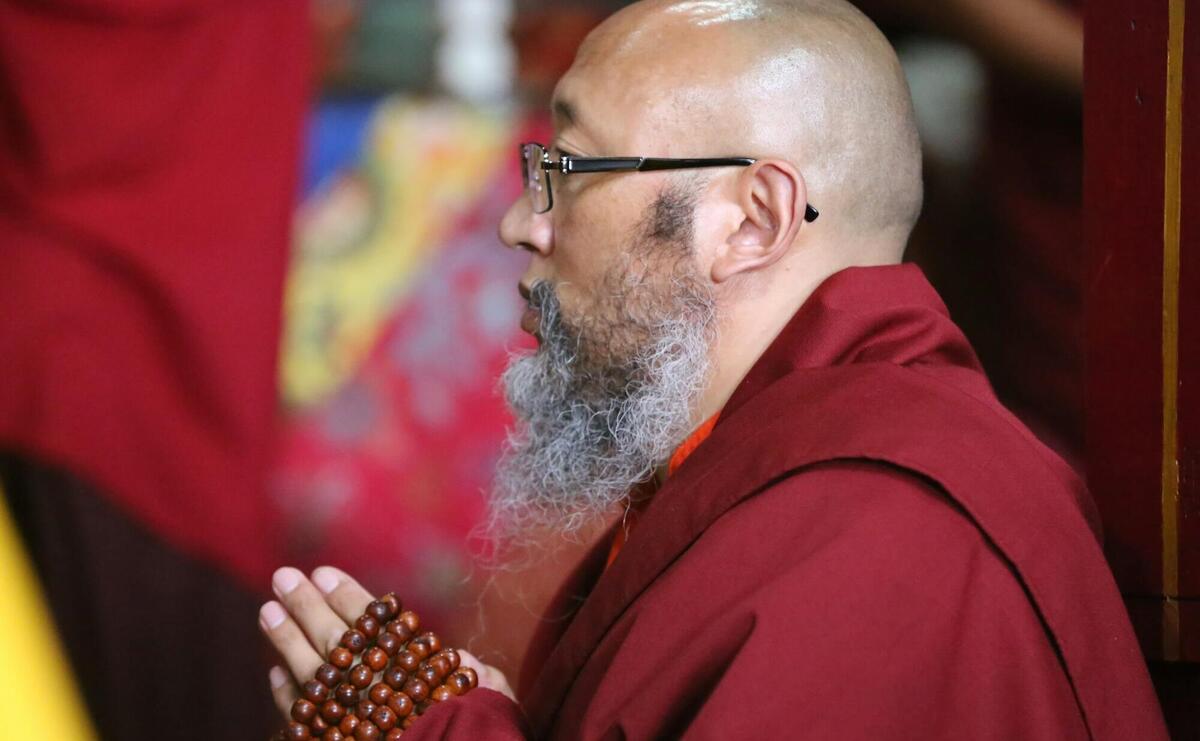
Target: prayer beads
{"points": [[378, 680]]}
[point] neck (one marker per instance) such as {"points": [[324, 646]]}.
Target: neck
{"points": [[760, 306], [748, 327]]}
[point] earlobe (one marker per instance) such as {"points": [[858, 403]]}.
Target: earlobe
{"points": [[772, 195]]}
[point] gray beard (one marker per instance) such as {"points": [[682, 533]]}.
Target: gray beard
{"points": [[601, 406]]}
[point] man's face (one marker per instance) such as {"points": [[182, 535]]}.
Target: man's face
{"points": [[610, 391], [624, 319], [596, 217]]}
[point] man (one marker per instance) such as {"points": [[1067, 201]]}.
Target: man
{"points": [[865, 544]]}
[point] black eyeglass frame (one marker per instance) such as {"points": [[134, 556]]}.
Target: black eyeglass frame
{"points": [[568, 164]]}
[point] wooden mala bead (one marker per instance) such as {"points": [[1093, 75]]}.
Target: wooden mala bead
{"points": [[380, 693], [419, 648], [368, 626], [354, 641], [364, 709], [346, 694], [303, 710], [429, 675], [384, 718], [376, 658], [329, 675], [341, 658], [360, 676], [395, 676], [431, 640], [462, 681], [333, 712], [401, 704], [379, 610], [408, 661], [389, 643], [401, 631], [410, 620], [367, 731], [315, 692], [417, 690]]}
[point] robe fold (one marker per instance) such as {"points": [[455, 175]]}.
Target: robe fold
{"points": [[867, 546]]}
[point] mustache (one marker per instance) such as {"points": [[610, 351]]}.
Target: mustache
{"points": [[552, 331], [541, 294]]}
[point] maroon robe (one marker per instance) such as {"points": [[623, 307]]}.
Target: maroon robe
{"points": [[867, 546]]}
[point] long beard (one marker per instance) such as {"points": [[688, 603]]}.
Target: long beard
{"points": [[601, 405]]}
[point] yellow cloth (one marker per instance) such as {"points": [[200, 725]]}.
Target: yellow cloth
{"points": [[38, 699]]}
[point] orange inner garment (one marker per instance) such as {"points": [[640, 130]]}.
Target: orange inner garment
{"points": [[685, 449]]}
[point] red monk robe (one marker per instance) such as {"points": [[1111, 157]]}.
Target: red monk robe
{"points": [[867, 546]]}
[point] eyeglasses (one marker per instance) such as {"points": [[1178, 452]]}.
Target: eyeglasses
{"points": [[535, 162]]}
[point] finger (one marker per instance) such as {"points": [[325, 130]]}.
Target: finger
{"points": [[347, 598], [308, 608], [489, 677], [287, 638], [283, 690]]}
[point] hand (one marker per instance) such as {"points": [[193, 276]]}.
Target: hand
{"points": [[308, 622]]}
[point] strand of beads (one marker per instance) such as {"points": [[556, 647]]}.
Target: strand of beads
{"points": [[398, 675]]}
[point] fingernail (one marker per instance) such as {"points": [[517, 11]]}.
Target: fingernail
{"points": [[277, 676], [325, 579], [286, 579], [272, 614]]}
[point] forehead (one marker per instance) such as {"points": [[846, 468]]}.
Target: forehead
{"points": [[641, 84], [590, 116]]}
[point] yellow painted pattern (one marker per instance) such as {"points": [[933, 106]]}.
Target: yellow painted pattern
{"points": [[1170, 330], [38, 698], [363, 238]]}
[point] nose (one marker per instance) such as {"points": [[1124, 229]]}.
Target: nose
{"points": [[521, 228]]}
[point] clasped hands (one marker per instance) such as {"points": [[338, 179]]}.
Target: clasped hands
{"points": [[308, 621]]}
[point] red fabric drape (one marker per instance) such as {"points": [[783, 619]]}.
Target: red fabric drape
{"points": [[148, 164]]}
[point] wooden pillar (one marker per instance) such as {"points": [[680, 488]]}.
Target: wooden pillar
{"points": [[1142, 227]]}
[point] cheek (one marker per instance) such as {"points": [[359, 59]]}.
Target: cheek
{"points": [[711, 230], [590, 238]]}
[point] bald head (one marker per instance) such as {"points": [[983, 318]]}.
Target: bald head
{"points": [[812, 82]]}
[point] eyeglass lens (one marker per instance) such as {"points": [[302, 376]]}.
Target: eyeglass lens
{"points": [[535, 177]]}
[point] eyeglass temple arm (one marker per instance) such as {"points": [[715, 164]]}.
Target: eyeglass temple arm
{"points": [[654, 163], [646, 164], [643, 164]]}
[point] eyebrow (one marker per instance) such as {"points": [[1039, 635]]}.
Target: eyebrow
{"points": [[565, 112]]}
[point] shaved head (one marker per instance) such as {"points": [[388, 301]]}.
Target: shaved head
{"points": [[813, 82]]}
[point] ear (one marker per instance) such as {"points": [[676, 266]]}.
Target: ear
{"points": [[771, 195]]}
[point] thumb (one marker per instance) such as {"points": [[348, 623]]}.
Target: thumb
{"points": [[489, 677]]}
